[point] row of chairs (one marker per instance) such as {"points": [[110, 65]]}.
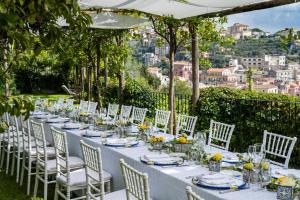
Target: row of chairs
{"points": [[53, 165], [277, 146]]}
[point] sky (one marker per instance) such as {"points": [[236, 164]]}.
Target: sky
{"points": [[271, 20]]}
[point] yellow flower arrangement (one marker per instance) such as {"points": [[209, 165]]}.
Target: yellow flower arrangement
{"points": [[122, 122], [216, 157], [154, 139], [83, 114], [287, 181], [183, 140], [143, 127], [99, 122]]}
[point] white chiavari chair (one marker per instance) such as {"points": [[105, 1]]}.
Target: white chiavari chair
{"points": [[17, 146], [278, 146], [83, 106], [7, 144], [60, 101], [29, 154], [136, 183], [192, 195], [138, 115], [69, 103], [112, 110], [161, 120], [186, 124], [125, 112], [66, 179], [45, 167], [221, 133], [96, 177], [92, 107]]}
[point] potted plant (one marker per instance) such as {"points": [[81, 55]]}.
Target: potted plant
{"points": [[157, 142], [142, 129], [214, 162], [286, 187], [182, 143]]}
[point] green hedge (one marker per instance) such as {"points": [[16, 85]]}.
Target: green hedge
{"points": [[135, 94], [252, 113]]}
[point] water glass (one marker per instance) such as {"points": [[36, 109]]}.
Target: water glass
{"points": [[259, 152], [251, 151]]}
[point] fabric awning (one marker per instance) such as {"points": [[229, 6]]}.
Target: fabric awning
{"points": [[177, 8], [109, 20]]}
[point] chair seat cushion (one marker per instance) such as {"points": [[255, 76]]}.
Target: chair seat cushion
{"points": [[75, 163], [78, 178], [120, 195], [50, 151]]}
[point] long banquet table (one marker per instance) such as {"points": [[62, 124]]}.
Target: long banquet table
{"points": [[166, 183]]}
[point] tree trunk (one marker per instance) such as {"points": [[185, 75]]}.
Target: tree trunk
{"points": [[5, 66], [82, 83], [121, 86], [171, 82], [106, 72], [89, 74], [97, 75], [195, 66]]}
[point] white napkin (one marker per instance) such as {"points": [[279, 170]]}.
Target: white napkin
{"points": [[156, 156], [117, 141], [91, 133], [220, 180], [71, 125]]}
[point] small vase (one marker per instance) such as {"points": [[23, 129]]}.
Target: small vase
{"points": [[214, 166], [157, 145], [285, 192], [248, 176], [181, 147]]}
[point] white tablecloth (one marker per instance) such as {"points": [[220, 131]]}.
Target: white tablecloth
{"points": [[166, 183]]}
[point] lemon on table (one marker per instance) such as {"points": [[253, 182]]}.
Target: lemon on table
{"points": [[265, 166], [248, 166]]}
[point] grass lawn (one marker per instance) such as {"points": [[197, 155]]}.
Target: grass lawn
{"points": [[10, 190], [51, 97]]}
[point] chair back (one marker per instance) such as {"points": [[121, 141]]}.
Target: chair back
{"points": [[83, 106], [69, 103], [125, 112], [192, 195], [112, 110], [186, 124], [60, 101], [138, 115], [221, 133], [26, 135], [40, 142], [15, 128], [94, 171], [161, 120], [136, 183], [61, 154], [92, 107], [279, 146]]}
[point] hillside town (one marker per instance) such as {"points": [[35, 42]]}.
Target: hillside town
{"points": [[270, 73]]}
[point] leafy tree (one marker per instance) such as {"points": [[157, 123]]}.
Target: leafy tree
{"points": [[204, 32], [21, 20], [171, 31]]}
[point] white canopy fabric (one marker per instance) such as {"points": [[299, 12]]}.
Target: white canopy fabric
{"points": [[108, 20], [179, 9]]}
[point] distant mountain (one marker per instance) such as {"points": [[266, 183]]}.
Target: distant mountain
{"points": [[270, 20]]}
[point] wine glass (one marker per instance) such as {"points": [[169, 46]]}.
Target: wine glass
{"points": [[251, 151], [259, 153]]}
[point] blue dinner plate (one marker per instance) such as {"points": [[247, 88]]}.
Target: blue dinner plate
{"points": [[198, 183]]}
